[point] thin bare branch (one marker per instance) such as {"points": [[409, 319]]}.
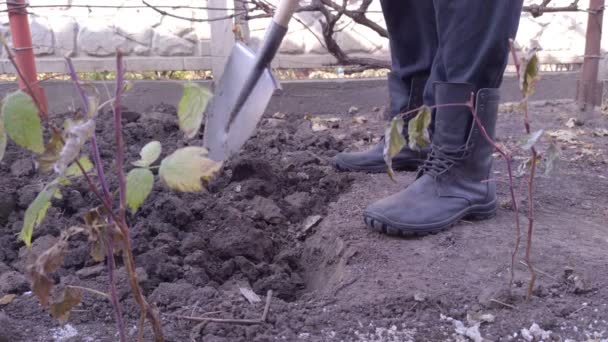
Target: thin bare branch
{"points": [[539, 9], [233, 320]]}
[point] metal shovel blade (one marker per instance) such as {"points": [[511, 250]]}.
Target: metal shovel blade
{"points": [[221, 140]]}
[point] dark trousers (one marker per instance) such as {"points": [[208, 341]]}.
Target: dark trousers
{"points": [[464, 41]]}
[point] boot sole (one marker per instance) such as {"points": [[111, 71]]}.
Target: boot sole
{"points": [[474, 213]]}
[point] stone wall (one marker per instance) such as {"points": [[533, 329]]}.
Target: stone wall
{"points": [[153, 41]]}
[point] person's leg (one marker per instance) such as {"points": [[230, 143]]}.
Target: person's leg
{"points": [[473, 42], [413, 43], [453, 182]]}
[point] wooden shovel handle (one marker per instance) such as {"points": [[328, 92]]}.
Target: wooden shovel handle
{"points": [[284, 11]]}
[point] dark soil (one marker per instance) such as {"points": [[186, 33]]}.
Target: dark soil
{"points": [[336, 281]]}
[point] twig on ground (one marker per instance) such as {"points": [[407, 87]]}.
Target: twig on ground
{"points": [[577, 310], [267, 306], [345, 285], [90, 290], [540, 271], [502, 303], [194, 308], [233, 320]]}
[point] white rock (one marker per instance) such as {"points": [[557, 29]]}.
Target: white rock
{"points": [[139, 37], [166, 45], [42, 36], [292, 45], [535, 332], [191, 37], [64, 333], [525, 333], [356, 41], [141, 50], [136, 34], [472, 332], [539, 333], [101, 41], [65, 31], [251, 296]]}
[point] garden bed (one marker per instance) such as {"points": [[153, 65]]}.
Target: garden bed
{"points": [[280, 218]]}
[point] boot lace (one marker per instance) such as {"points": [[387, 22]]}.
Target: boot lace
{"points": [[441, 160]]}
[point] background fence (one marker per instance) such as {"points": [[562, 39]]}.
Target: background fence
{"points": [[198, 34]]}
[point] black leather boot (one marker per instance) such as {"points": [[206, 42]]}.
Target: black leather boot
{"points": [[372, 160], [453, 182]]}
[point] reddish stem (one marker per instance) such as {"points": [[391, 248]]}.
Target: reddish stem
{"points": [[530, 181], [120, 147], [514, 55], [56, 130], [530, 207], [108, 198], [146, 309], [104, 199], [531, 225], [37, 102], [507, 159]]}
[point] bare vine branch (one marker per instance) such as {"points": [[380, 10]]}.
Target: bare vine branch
{"points": [[331, 10], [539, 9]]}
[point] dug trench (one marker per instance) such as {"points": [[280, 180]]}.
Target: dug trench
{"points": [[280, 218]]}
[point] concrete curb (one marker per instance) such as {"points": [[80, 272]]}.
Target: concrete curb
{"points": [[298, 97]]}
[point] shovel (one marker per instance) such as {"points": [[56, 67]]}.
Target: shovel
{"points": [[244, 90]]}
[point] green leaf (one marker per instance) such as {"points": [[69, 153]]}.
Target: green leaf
{"points": [[528, 71], [139, 186], [185, 169], [63, 181], [3, 140], [393, 143], [418, 129], [191, 108], [74, 171], [551, 156], [149, 154], [532, 139], [21, 121], [36, 212]]}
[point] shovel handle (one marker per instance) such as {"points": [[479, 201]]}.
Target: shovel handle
{"points": [[284, 11], [272, 41]]}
